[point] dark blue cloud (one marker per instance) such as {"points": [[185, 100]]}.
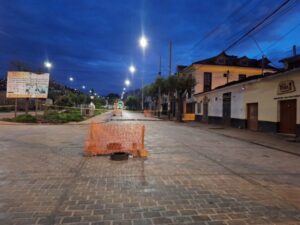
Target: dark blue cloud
{"points": [[95, 40]]}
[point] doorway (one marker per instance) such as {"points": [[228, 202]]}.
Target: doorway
{"points": [[227, 108], [205, 112], [287, 122], [252, 116]]}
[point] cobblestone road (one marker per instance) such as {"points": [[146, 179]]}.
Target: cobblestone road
{"points": [[192, 177]]}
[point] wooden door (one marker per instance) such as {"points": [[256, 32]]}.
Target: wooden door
{"points": [[252, 116], [205, 112], [288, 116], [227, 108]]}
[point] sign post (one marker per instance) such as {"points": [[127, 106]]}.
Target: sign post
{"points": [[16, 107], [27, 85]]}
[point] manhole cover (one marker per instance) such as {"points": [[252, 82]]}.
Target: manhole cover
{"points": [[119, 156]]}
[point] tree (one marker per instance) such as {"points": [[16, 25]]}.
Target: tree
{"points": [[112, 97], [64, 100], [181, 84], [176, 85], [132, 102]]}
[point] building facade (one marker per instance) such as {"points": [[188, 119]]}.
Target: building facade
{"points": [[268, 103], [219, 70]]}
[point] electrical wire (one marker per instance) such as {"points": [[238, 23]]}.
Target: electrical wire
{"points": [[257, 25]]}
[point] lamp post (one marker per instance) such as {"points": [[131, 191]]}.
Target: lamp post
{"points": [[143, 42], [127, 82], [132, 69], [48, 65]]}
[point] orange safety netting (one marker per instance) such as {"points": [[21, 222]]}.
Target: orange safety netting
{"points": [[117, 112], [149, 113], [105, 139]]}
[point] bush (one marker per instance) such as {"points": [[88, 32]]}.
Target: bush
{"points": [[63, 117], [24, 119]]}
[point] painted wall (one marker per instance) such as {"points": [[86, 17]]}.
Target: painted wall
{"points": [[261, 91], [265, 93], [215, 105], [218, 72]]}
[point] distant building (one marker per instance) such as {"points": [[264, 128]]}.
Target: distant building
{"points": [[219, 70], [267, 102]]}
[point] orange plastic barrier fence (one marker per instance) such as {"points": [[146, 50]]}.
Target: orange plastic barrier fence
{"points": [[105, 139], [117, 112], [149, 113]]}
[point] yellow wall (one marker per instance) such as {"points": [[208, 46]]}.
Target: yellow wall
{"points": [[265, 91], [218, 71]]}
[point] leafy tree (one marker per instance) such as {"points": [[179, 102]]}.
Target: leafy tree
{"points": [[132, 102], [112, 97], [176, 85], [181, 84], [64, 100]]}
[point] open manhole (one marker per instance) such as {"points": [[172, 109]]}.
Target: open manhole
{"points": [[119, 156]]}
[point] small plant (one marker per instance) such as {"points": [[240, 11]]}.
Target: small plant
{"points": [[24, 119], [63, 117]]}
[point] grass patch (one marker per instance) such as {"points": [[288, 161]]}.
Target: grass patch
{"points": [[22, 119], [63, 117], [54, 116], [99, 111]]}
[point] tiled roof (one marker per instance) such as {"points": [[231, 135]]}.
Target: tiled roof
{"points": [[231, 60]]}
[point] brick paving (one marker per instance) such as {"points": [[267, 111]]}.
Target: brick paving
{"points": [[192, 177]]}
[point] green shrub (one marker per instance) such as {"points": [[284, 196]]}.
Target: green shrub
{"points": [[63, 117], [25, 119]]}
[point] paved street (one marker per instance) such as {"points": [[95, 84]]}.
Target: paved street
{"points": [[193, 176]]}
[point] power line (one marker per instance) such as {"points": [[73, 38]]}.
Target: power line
{"points": [[279, 39], [278, 15], [216, 28], [258, 25]]}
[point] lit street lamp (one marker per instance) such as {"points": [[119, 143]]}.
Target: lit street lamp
{"points": [[48, 64], [143, 42], [132, 69], [127, 82], [83, 86], [71, 79]]}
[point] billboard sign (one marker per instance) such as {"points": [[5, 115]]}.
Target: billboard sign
{"points": [[27, 85]]}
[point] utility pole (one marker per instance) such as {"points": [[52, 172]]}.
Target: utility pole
{"points": [[159, 91], [170, 58], [262, 64], [170, 74], [227, 76]]}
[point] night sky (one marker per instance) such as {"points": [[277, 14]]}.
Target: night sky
{"points": [[95, 41]]}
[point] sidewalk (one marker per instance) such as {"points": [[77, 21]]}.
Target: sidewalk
{"points": [[270, 140]]}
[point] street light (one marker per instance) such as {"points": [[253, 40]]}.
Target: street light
{"points": [[83, 86], [71, 79], [127, 82], [143, 42], [132, 69], [48, 64], [124, 89]]}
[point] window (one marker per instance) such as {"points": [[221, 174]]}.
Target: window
{"points": [[207, 81], [242, 76]]}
